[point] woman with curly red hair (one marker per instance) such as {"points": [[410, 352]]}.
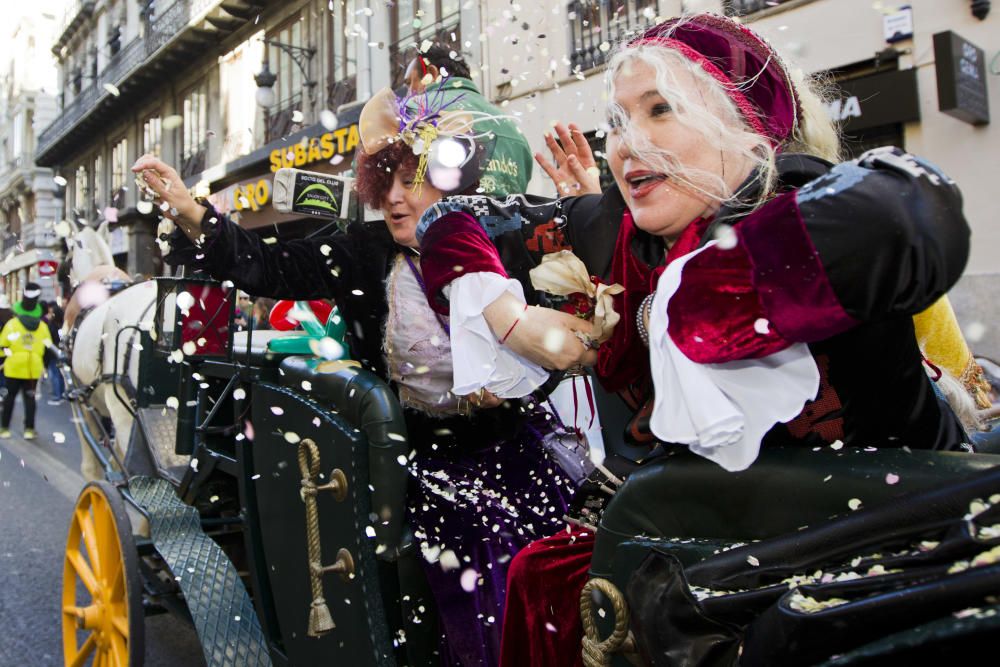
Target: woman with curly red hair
{"points": [[481, 481]]}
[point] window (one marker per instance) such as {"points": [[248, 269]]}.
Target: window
{"points": [[152, 136], [194, 146], [96, 186], [80, 190], [744, 7], [596, 25], [119, 170], [342, 86], [281, 119], [413, 21]]}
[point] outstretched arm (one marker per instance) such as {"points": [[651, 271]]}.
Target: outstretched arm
{"points": [[298, 269]]}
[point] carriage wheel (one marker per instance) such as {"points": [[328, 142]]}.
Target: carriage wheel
{"points": [[102, 615]]}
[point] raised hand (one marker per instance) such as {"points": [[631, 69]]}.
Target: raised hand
{"points": [[575, 172], [169, 189]]}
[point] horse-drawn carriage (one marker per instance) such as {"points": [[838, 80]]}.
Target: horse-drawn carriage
{"points": [[261, 496]]}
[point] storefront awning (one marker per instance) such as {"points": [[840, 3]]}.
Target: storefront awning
{"points": [[21, 260]]}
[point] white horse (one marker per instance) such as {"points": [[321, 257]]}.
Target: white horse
{"points": [[93, 362]]}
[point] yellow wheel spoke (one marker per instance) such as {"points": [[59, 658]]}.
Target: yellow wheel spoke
{"points": [[118, 652], [107, 540], [116, 589], [70, 610], [89, 538], [119, 618], [85, 651], [83, 571]]}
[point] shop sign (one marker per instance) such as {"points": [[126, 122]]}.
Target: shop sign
{"points": [[880, 99], [308, 150], [961, 78], [898, 25], [47, 267]]}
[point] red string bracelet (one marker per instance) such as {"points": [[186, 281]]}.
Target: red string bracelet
{"points": [[507, 335]]}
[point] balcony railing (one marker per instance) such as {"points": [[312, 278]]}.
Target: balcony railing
{"points": [[445, 32], [597, 25], [341, 92], [279, 121], [195, 162], [166, 25]]}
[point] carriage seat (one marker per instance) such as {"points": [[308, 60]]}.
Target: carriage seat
{"points": [[686, 496]]}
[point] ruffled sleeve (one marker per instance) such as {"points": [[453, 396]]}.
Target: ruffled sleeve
{"points": [[721, 411], [480, 361]]}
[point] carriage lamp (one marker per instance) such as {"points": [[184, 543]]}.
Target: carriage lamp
{"points": [[265, 78]]}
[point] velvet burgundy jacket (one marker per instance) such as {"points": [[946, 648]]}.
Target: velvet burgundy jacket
{"points": [[840, 258]]}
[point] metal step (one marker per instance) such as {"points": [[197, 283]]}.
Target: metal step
{"points": [[220, 606], [159, 426]]}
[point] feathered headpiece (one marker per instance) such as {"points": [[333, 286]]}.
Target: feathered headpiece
{"points": [[450, 151]]}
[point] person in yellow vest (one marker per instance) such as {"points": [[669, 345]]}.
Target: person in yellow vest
{"points": [[24, 340]]}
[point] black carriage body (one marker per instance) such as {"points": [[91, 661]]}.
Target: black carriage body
{"points": [[240, 417]]}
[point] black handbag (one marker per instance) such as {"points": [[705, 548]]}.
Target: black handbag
{"points": [[919, 576]]}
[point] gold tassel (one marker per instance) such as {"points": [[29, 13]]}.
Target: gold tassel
{"points": [[320, 620]]}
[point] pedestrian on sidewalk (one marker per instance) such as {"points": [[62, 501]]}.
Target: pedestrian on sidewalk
{"points": [[5, 314], [54, 320], [24, 340]]}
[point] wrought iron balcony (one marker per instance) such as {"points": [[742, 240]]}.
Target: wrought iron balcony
{"points": [[77, 14], [278, 121], [173, 38], [597, 25]]}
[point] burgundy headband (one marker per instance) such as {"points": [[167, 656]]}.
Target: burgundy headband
{"points": [[749, 69]]}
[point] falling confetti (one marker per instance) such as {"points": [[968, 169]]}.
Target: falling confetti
{"points": [[239, 394], [112, 88], [753, 561], [172, 122], [328, 119], [854, 503], [891, 478]]}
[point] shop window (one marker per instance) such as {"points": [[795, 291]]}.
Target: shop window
{"points": [[194, 145], [342, 84], [597, 25], [413, 21]]}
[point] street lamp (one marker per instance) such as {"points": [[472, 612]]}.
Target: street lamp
{"points": [[265, 79]]}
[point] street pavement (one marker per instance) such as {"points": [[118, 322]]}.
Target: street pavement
{"points": [[39, 483]]}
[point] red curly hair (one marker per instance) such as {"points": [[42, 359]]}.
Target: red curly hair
{"points": [[376, 172]]}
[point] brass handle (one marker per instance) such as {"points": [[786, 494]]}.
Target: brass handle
{"points": [[337, 484], [344, 565], [320, 620]]}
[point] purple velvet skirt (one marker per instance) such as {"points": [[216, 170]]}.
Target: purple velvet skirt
{"points": [[473, 505]]}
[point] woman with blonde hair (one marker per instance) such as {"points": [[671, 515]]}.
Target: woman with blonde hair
{"points": [[768, 294]]}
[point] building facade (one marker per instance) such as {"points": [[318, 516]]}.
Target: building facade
{"points": [[180, 79], [30, 200]]}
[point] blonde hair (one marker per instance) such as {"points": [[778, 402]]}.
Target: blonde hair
{"points": [[708, 109]]}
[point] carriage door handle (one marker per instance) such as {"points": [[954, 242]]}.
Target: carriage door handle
{"points": [[320, 620]]}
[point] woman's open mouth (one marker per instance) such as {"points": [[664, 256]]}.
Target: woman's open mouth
{"points": [[641, 183], [398, 217]]}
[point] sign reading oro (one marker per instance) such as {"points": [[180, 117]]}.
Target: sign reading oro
{"points": [[341, 141]]}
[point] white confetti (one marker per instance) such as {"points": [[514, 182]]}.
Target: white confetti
{"points": [[59, 438], [328, 119], [291, 437], [277, 410], [891, 478], [173, 403], [468, 580], [753, 561], [370, 531], [239, 394], [172, 122], [854, 503], [112, 88], [449, 561], [762, 326]]}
